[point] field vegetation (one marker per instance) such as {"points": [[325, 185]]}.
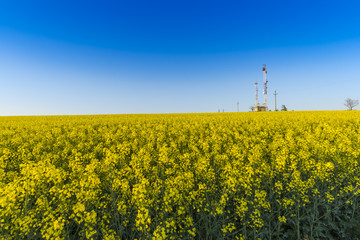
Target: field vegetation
{"points": [[274, 175]]}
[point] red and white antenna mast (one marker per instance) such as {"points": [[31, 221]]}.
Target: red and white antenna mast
{"points": [[265, 88]]}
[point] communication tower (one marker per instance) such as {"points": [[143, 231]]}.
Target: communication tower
{"points": [[264, 107], [275, 99], [265, 88], [256, 96]]}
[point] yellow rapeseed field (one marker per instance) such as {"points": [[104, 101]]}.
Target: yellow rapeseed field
{"points": [[274, 175]]}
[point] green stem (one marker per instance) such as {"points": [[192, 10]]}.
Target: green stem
{"points": [[298, 221]]}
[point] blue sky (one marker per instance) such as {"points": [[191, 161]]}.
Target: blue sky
{"points": [[107, 57]]}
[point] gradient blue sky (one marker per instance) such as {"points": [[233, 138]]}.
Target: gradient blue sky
{"points": [[105, 57]]}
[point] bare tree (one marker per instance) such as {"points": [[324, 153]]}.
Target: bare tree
{"points": [[252, 108], [351, 103]]}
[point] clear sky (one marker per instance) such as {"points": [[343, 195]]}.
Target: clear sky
{"points": [[106, 57]]}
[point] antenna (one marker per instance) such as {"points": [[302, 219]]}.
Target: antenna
{"points": [[275, 99], [238, 106], [265, 87], [256, 96]]}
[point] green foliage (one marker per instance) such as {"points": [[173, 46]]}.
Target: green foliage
{"points": [[283, 108]]}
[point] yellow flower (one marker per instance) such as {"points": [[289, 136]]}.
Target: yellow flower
{"points": [[282, 219]]}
